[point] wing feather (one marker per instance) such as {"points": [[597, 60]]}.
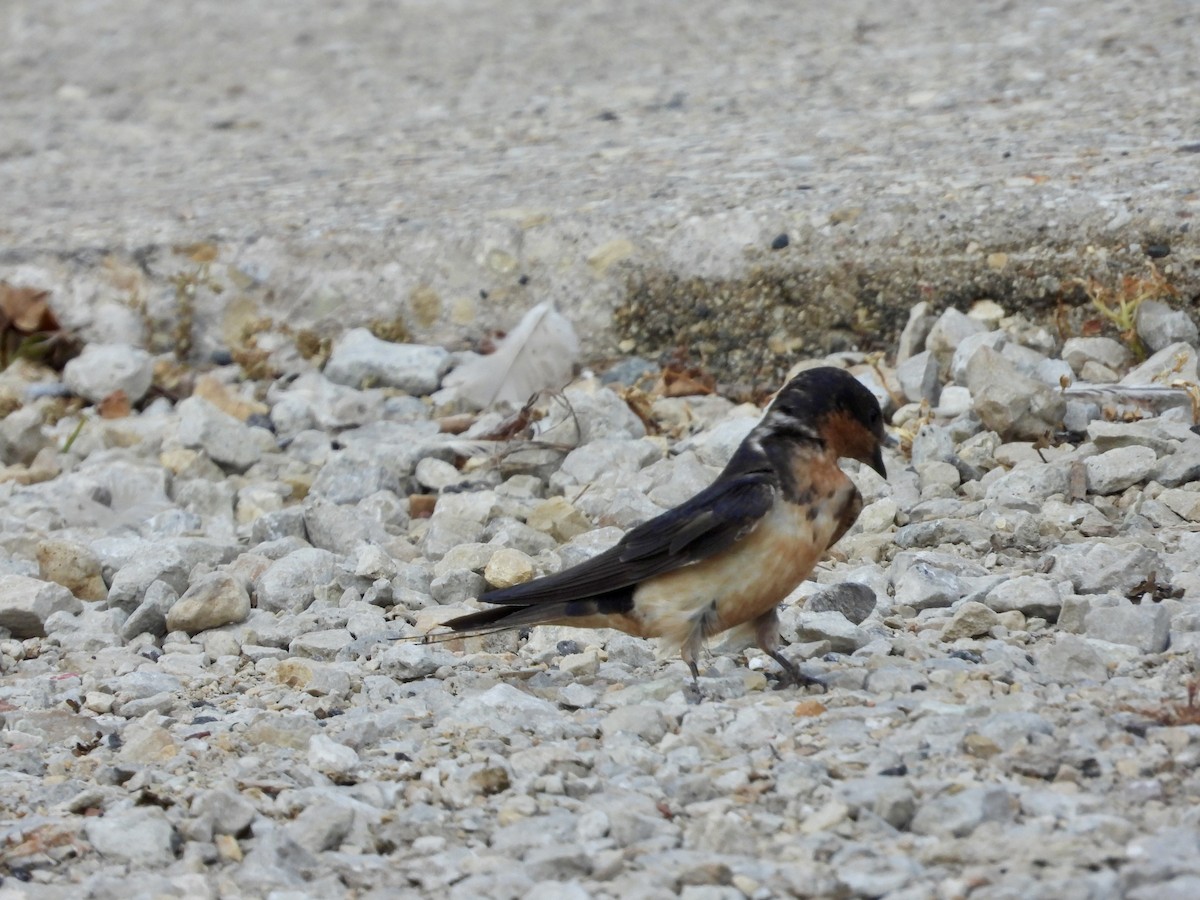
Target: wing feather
{"points": [[712, 521]]}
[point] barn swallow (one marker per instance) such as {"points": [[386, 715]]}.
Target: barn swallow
{"points": [[728, 556]]}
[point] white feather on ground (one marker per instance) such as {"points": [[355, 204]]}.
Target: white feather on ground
{"points": [[539, 353], [131, 504]]}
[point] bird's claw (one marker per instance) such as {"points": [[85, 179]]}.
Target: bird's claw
{"points": [[785, 683], [793, 677]]}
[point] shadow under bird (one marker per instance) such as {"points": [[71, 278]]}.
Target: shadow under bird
{"points": [[728, 556]]}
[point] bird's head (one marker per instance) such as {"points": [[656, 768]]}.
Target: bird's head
{"points": [[832, 407]]}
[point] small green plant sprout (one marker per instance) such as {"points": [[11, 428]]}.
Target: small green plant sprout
{"points": [[188, 286], [1119, 305]]}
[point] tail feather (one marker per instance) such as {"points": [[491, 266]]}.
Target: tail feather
{"points": [[441, 637], [508, 617], [504, 617]]}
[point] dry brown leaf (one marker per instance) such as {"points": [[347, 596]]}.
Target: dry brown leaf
{"points": [[808, 708], [420, 506], [27, 309], [30, 330], [684, 382], [114, 406], [1174, 714], [515, 424], [642, 405]]}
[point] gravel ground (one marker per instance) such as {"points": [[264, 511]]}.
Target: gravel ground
{"points": [[203, 693], [203, 687], [365, 160]]}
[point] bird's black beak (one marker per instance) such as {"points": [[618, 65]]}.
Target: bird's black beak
{"points": [[877, 457], [877, 462]]}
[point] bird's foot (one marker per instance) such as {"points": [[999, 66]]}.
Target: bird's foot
{"points": [[691, 692], [787, 682], [793, 677]]}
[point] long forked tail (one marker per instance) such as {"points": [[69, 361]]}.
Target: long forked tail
{"points": [[510, 616], [492, 621], [503, 618]]}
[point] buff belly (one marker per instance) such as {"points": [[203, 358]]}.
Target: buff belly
{"points": [[737, 586]]}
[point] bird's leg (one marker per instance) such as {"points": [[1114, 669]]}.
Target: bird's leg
{"points": [[766, 634], [692, 692]]}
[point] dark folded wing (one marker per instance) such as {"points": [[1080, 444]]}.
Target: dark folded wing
{"points": [[710, 522]]}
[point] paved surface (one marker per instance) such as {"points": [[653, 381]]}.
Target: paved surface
{"points": [[372, 160]]}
